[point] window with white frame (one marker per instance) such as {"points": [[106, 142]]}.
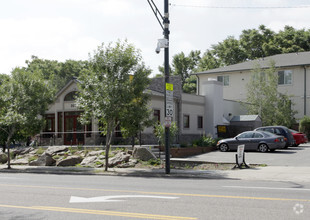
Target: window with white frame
{"points": [[224, 80], [285, 77]]}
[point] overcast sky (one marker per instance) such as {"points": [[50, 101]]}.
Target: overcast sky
{"points": [[71, 29]]}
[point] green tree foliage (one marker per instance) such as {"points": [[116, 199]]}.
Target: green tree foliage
{"points": [[136, 115], [251, 44], [24, 96], [58, 73], [159, 132], [183, 66], [106, 91], [304, 125], [265, 100]]}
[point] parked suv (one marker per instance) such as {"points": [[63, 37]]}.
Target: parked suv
{"points": [[280, 130]]}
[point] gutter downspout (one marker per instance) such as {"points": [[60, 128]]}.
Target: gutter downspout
{"points": [[197, 85], [305, 90]]}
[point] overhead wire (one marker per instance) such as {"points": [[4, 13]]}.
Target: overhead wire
{"points": [[239, 7]]}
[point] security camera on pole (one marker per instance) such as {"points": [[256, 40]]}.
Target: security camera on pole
{"points": [[164, 43]]}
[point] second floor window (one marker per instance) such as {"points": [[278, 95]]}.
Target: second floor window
{"points": [[285, 77], [224, 80]]}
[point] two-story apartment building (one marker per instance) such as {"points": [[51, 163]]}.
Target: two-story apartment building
{"points": [[293, 79]]}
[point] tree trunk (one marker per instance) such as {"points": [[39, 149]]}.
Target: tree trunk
{"points": [[108, 143], [7, 144]]}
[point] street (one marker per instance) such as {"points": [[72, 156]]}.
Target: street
{"points": [[47, 196], [293, 156]]}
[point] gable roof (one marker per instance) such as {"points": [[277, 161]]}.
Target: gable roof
{"points": [[281, 60]]}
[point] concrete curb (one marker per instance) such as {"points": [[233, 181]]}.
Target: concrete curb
{"points": [[269, 173]]}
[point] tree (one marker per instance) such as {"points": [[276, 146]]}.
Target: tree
{"points": [[183, 66], [106, 90], [58, 73], [136, 115], [24, 98], [265, 100]]}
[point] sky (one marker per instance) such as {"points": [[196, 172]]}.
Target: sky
{"points": [[73, 29]]}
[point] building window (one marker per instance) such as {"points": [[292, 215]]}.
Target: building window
{"points": [[285, 77], [200, 121], [185, 121], [156, 115], [71, 96], [60, 124], [224, 80], [49, 125]]}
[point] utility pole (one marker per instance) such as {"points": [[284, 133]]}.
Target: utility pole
{"points": [[167, 129], [164, 43]]}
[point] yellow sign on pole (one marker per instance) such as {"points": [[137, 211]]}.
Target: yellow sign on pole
{"points": [[169, 86]]}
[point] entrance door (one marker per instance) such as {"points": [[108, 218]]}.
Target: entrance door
{"points": [[74, 130]]}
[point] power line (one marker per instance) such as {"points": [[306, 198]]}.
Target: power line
{"points": [[240, 7]]}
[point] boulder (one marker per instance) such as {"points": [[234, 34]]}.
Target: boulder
{"points": [[69, 161], [87, 161], [3, 157], [95, 153], [119, 158], [21, 161], [143, 153], [43, 160], [26, 150], [53, 150]]}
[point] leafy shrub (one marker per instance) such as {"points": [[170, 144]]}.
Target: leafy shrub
{"points": [[205, 141], [160, 132], [40, 151], [304, 125]]}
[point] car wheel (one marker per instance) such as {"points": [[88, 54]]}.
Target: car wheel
{"points": [[263, 148], [223, 147]]}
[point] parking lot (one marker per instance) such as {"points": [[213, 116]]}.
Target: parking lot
{"points": [[293, 156]]}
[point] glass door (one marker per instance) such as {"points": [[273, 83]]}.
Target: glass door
{"points": [[74, 130]]}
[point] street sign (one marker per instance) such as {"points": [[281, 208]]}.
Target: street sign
{"points": [[169, 100], [240, 154], [168, 122]]}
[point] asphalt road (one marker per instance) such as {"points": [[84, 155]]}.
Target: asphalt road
{"points": [[293, 156], [43, 196]]}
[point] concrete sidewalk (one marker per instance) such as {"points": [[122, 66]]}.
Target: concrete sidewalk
{"points": [[272, 173]]}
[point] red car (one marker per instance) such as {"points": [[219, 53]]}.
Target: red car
{"points": [[299, 137]]}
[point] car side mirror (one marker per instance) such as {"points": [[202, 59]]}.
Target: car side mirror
{"points": [[236, 138]]}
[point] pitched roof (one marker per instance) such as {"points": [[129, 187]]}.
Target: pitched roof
{"points": [[281, 60]]}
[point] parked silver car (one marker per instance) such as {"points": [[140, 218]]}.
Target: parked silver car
{"points": [[253, 140]]}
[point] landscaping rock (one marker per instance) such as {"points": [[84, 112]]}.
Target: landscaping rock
{"points": [[88, 161], [26, 151], [53, 150], [3, 157], [95, 153], [43, 160], [70, 161], [119, 158], [21, 161], [143, 153]]}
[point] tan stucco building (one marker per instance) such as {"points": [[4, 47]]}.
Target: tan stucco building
{"points": [[195, 115]]}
